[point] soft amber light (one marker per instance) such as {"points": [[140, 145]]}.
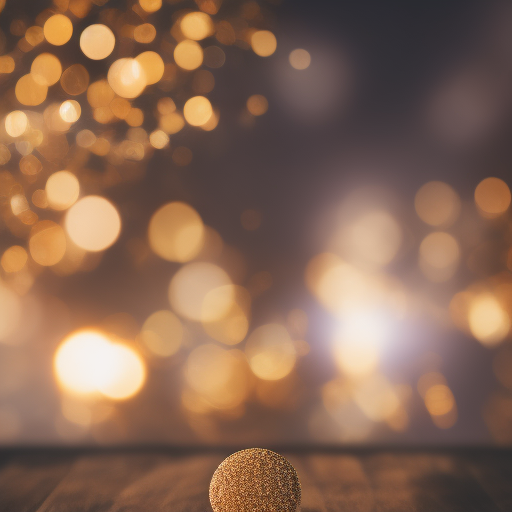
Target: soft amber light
{"points": [[176, 232], [198, 110], [75, 79], [196, 25], [10, 313], [29, 92], [492, 196], [300, 59], [88, 362], [46, 69], [158, 139], [62, 190], [271, 352], [70, 111], [16, 123], [257, 104], [47, 243], [488, 321], [162, 333], [97, 42], [150, 5], [219, 376], [58, 29], [144, 33], [190, 286], [439, 256], [263, 43], [372, 240], [153, 66], [127, 78], [437, 204], [93, 223], [7, 64], [439, 400], [14, 259], [188, 55]]}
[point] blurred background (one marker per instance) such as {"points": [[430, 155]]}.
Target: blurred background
{"points": [[255, 222]]}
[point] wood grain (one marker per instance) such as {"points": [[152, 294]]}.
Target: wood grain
{"points": [[332, 481]]}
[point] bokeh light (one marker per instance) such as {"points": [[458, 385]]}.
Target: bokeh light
{"points": [[47, 243], [127, 78], [196, 26], [439, 256], [176, 232], [190, 286], [437, 204], [488, 321], [257, 104], [188, 55], [58, 29], [492, 197], [271, 352], [162, 333], [263, 43], [62, 190], [87, 362], [197, 111], [299, 59], [97, 42], [93, 223]]}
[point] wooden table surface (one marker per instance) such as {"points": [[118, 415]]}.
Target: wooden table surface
{"points": [[153, 480]]}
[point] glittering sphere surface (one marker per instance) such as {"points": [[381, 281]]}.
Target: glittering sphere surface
{"points": [[255, 480]]}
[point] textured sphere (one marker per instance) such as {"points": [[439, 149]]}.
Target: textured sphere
{"points": [[255, 480]]}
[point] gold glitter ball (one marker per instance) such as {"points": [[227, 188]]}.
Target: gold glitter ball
{"points": [[255, 480]]}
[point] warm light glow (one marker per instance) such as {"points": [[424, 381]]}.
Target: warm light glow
{"points": [[376, 398], [70, 111], [158, 139], [62, 190], [162, 333], [439, 400], [372, 240], [176, 232], [439, 256], [271, 352], [88, 362], [14, 259], [188, 55], [219, 376], [127, 78], [263, 43], [150, 5], [10, 313], [153, 66], [196, 25], [97, 42], [358, 342], [488, 321], [16, 123], [29, 92], [492, 196], [93, 223], [46, 69], [300, 59], [197, 111], [75, 79], [58, 29], [257, 104], [190, 286], [437, 204], [231, 324], [47, 243]]}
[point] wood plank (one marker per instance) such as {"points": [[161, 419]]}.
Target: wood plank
{"points": [[94, 481], [339, 481], [494, 473], [425, 483], [179, 484], [26, 481]]}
